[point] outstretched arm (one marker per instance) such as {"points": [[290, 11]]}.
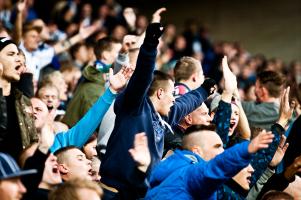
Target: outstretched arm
{"points": [[139, 83], [263, 158], [209, 176], [82, 131]]}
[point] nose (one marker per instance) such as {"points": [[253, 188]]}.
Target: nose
{"points": [[22, 189], [250, 169]]}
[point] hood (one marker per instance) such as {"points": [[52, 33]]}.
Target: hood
{"points": [[170, 165], [92, 74]]}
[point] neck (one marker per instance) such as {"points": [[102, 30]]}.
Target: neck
{"points": [[189, 84], [183, 125], [155, 103], [269, 100], [6, 87]]}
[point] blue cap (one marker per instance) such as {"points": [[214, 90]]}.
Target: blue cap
{"points": [[10, 169]]}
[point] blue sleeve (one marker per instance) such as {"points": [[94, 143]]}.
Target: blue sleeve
{"points": [[186, 104], [222, 121], [263, 157], [141, 79], [210, 175], [83, 129]]}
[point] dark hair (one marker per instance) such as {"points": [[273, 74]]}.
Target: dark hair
{"points": [[159, 81], [185, 67], [92, 138], [74, 49], [104, 44], [195, 128], [272, 81], [277, 195], [64, 149]]}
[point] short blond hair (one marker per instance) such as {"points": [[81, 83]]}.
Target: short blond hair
{"points": [[68, 190]]}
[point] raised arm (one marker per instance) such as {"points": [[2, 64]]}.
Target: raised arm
{"points": [[263, 158], [139, 83], [82, 131], [223, 113], [225, 165]]}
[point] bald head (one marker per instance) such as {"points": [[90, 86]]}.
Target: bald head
{"points": [[205, 143]]}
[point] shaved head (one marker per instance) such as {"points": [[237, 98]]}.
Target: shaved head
{"points": [[205, 143]]}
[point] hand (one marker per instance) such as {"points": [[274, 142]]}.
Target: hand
{"points": [[21, 5], [295, 167], [157, 15], [131, 42], [85, 32], [286, 109], [261, 141], [119, 80], [46, 138], [282, 147], [140, 152], [130, 17], [230, 78], [209, 85]]}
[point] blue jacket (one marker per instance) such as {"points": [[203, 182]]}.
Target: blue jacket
{"points": [[79, 134], [134, 114], [185, 175]]}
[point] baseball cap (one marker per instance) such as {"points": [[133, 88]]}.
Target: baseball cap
{"points": [[10, 169], [4, 41]]}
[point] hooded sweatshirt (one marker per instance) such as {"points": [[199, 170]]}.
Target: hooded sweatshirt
{"points": [[86, 94]]}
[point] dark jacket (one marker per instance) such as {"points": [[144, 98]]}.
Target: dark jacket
{"points": [[86, 94], [135, 113], [20, 132]]}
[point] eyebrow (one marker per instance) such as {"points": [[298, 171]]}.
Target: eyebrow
{"points": [[217, 145], [80, 156]]}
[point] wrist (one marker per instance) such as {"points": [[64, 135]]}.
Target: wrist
{"points": [[114, 91], [282, 122]]}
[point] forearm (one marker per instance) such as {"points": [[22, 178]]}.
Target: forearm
{"points": [[64, 45], [243, 124], [141, 79], [263, 157], [3, 113], [82, 131], [17, 34], [222, 120], [186, 104], [256, 189]]}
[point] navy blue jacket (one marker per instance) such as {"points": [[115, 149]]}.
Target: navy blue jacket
{"points": [[134, 114]]}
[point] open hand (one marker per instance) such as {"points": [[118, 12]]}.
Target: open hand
{"points": [[229, 77], [261, 141], [157, 15], [119, 80], [286, 108], [140, 152]]}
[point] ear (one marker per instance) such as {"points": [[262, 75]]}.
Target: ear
{"points": [[63, 169], [188, 119], [265, 92], [197, 150], [193, 77], [160, 93], [105, 55]]}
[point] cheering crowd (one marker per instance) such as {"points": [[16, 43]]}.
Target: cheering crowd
{"points": [[99, 102]]}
